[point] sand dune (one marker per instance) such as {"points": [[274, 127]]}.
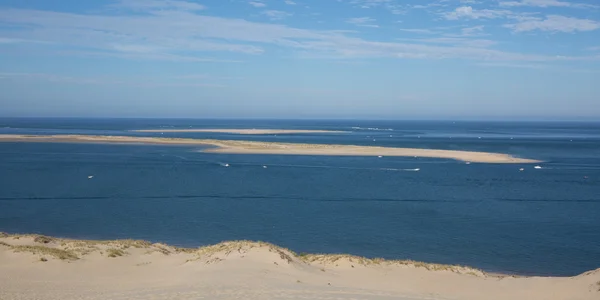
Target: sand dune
{"points": [[243, 131], [254, 147], [37, 267]]}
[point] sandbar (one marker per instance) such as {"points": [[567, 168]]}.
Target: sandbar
{"points": [[256, 147], [39, 267], [243, 131]]}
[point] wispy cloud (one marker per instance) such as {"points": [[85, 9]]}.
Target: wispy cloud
{"points": [[276, 14], [177, 35], [468, 12], [257, 4], [555, 23], [159, 4], [546, 3], [4, 40], [289, 2], [137, 82], [145, 56], [472, 31], [418, 30], [363, 22], [511, 65], [389, 5], [457, 42]]}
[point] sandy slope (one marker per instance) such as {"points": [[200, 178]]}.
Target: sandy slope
{"points": [[254, 147], [247, 270], [243, 131]]}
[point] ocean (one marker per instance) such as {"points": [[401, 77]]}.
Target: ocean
{"points": [[543, 221]]}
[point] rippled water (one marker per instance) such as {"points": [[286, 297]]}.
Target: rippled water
{"points": [[492, 216]]}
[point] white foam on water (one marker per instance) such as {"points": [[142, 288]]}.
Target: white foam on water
{"points": [[372, 128]]}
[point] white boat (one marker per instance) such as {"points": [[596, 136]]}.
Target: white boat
{"points": [[537, 167]]}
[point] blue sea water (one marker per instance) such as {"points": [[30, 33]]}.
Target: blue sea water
{"points": [[491, 216]]}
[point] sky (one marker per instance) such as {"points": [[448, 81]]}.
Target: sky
{"points": [[391, 59]]}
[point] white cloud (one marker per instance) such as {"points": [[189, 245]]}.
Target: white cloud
{"points": [[186, 36], [290, 2], [469, 12], [4, 40], [511, 65], [435, 4], [555, 23], [458, 41], [391, 5], [257, 4], [276, 14], [363, 22], [144, 56], [159, 4], [471, 31], [370, 3], [418, 30], [545, 3], [136, 82]]}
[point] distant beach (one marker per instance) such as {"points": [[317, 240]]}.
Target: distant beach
{"points": [[254, 147], [36, 267], [242, 131]]}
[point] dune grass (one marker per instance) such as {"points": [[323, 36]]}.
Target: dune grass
{"points": [[42, 250], [112, 252], [71, 250], [43, 239]]}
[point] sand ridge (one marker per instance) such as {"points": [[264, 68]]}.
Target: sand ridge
{"points": [[38, 267], [256, 147], [242, 131]]}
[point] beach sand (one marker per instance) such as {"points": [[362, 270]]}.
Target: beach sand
{"points": [[243, 131], [37, 267], [254, 147]]}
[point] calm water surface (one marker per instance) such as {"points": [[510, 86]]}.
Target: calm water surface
{"points": [[492, 216]]}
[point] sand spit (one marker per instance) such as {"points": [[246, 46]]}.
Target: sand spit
{"points": [[243, 131], [38, 267], [254, 147]]}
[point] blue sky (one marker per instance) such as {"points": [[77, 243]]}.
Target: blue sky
{"points": [[406, 59]]}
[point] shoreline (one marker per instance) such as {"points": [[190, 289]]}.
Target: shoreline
{"points": [[304, 257], [135, 269], [77, 254], [241, 131], [255, 147]]}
